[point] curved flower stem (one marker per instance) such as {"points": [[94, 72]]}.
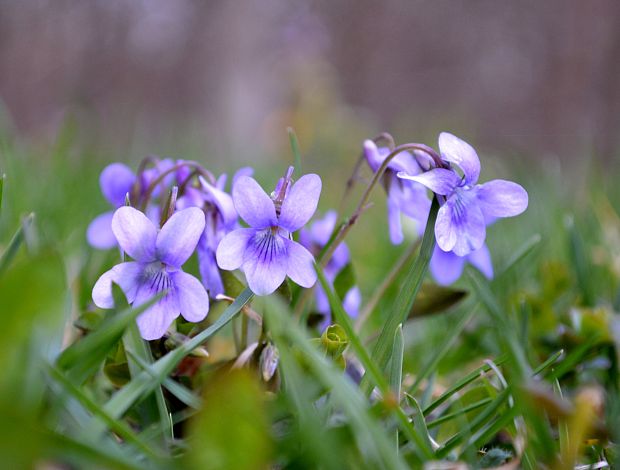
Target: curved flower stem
{"points": [[344, 228], [160, 178], [377, 295], [356, 169]]}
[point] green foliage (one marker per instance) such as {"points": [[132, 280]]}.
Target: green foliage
{"points": [[521, 370]]}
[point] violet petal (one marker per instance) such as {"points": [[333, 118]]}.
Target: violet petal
{"points": [[192, 296], [501, 198], [300, 203], [300, 266], [116, 180], [135, 233], [231, 249], [179, 236], [99, 233], [460, 153], [438, 180], [253, 204]]}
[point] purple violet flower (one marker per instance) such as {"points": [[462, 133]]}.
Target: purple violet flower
{"points": [[403, 196], [446, 267], [462, 219], [158, 257], [315, 238], [265, 251], [116, 180]]}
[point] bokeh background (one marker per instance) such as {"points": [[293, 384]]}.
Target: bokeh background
{"points": [[527, 78]]}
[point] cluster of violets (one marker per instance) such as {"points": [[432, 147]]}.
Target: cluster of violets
{"points": [[169, 209]]}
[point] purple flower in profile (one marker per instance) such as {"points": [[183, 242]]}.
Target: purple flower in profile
{"points": [[221, 218], [157, 268], [265, 251], [446, 267], [403, 196], [315, 238], [116, 180], [462, 219]]}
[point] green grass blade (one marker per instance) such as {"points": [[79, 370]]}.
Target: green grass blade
{"points": [[15, 243], [442, 349], [520, 253], [156, 407], [82, 358], [145, 382], [179, 391], [372, 370], [404, 302], [292, 137], [2, 178], [396, 368], [371, 438], [119, 427], [461, 384], [456, 414], [478, 422], [396, 364]]}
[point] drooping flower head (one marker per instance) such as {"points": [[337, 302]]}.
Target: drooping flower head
{"points": [[406, 197], [314, 239], [468, 206], [158, 257], [446, 267], [265, 251]]}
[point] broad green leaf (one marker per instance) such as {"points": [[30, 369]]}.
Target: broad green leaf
{"points": [[11, 250], [435, 299], [344, 281]]}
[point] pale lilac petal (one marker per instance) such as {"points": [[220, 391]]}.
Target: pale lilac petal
{"points": [[340, 258], [231, 249], [253, 204], [243, 171], [192, 197], [207, 266], [192, 296], [179, 236], [460, 225], [135, 233], [126, 275], [116, 180], [222, 201], [446, 267], [300, 266], [99, 233], [300, 203], [394, 222], [352, 301], [373, 156], [459, 152], [265, 262], [321, 229], [500, 198], [155, 321], [438, 180], [481, 259], [415, 203]]}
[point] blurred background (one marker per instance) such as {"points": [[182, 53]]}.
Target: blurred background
{"points": [[224, 79]]}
